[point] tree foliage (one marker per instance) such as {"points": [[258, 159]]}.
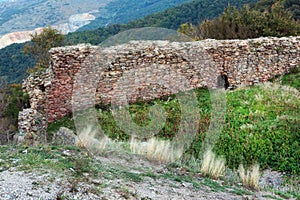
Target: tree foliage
{"points": [[292, 6], [191, 12], [14, 64], [16, 100], [189, 30], [247, 23], [41, 44], [12, 100]]}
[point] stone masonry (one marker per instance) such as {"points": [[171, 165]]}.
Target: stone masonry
{"points": [[208, 63]]}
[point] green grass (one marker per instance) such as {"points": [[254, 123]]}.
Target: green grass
{"points": [[288, 194], [43, 157], [262, 125], [77, 162], [63, 122], [292, 79]]}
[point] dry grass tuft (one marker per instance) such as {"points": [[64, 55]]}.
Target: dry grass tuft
{"points": [[86, 139], [250, 177], [212, 166], [158, 150]]}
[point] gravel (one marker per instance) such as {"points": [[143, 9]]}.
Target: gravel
{"points": [[51, 185]]}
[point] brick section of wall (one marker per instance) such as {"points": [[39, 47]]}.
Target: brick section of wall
{"points": [[242, 62]]}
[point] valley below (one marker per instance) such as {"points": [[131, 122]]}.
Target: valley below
{"points": [[21, 18]]}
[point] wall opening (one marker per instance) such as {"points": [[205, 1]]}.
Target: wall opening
{"points": [[222, 82], [42, 88]]}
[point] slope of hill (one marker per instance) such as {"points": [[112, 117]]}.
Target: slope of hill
{"points": [[122, 11], [66, 172], [19, 18], [14, 63], [25, 15], [191, 12], [290, 5]]}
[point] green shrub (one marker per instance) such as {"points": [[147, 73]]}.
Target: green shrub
{"points": [[63, 122], [292, 79], [16, 101], [262, 126]]}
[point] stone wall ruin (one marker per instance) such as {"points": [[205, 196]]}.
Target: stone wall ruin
{"points": [[205, 63]]}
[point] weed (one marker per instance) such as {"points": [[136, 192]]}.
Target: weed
{"points": [[250, 177], [269, 196], [65, 122], [212, 166], [240, 191], [158, 150], [214, 185], [133, 176], [86, 139]]}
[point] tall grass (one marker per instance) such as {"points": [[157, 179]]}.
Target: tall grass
{"points": [[86, 139], [212, 165], [262, 124], [250, 177], [154, 149]]}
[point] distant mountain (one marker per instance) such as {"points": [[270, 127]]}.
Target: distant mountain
{"points": [[20, 18], [24, 15]]}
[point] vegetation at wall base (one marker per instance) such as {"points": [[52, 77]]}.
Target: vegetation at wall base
{"points": [[262, 125], [292, 79]]}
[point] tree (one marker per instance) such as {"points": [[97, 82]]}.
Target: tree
{"points": [[12, 100], [17, 100], [41, 44], [249, 23], [189, 30]]}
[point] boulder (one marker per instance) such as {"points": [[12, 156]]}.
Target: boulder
{"points": [[64, 136]]}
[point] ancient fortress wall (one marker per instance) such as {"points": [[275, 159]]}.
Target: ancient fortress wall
{"points": [[157, 67]]}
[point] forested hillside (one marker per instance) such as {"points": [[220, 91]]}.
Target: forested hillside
{"points": [[172, 18], [290, 5], [13, 63], [123, 11], [264, 19], [192, 12]]}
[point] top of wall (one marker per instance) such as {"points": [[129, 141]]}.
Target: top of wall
{"points": [[208, 43]]}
